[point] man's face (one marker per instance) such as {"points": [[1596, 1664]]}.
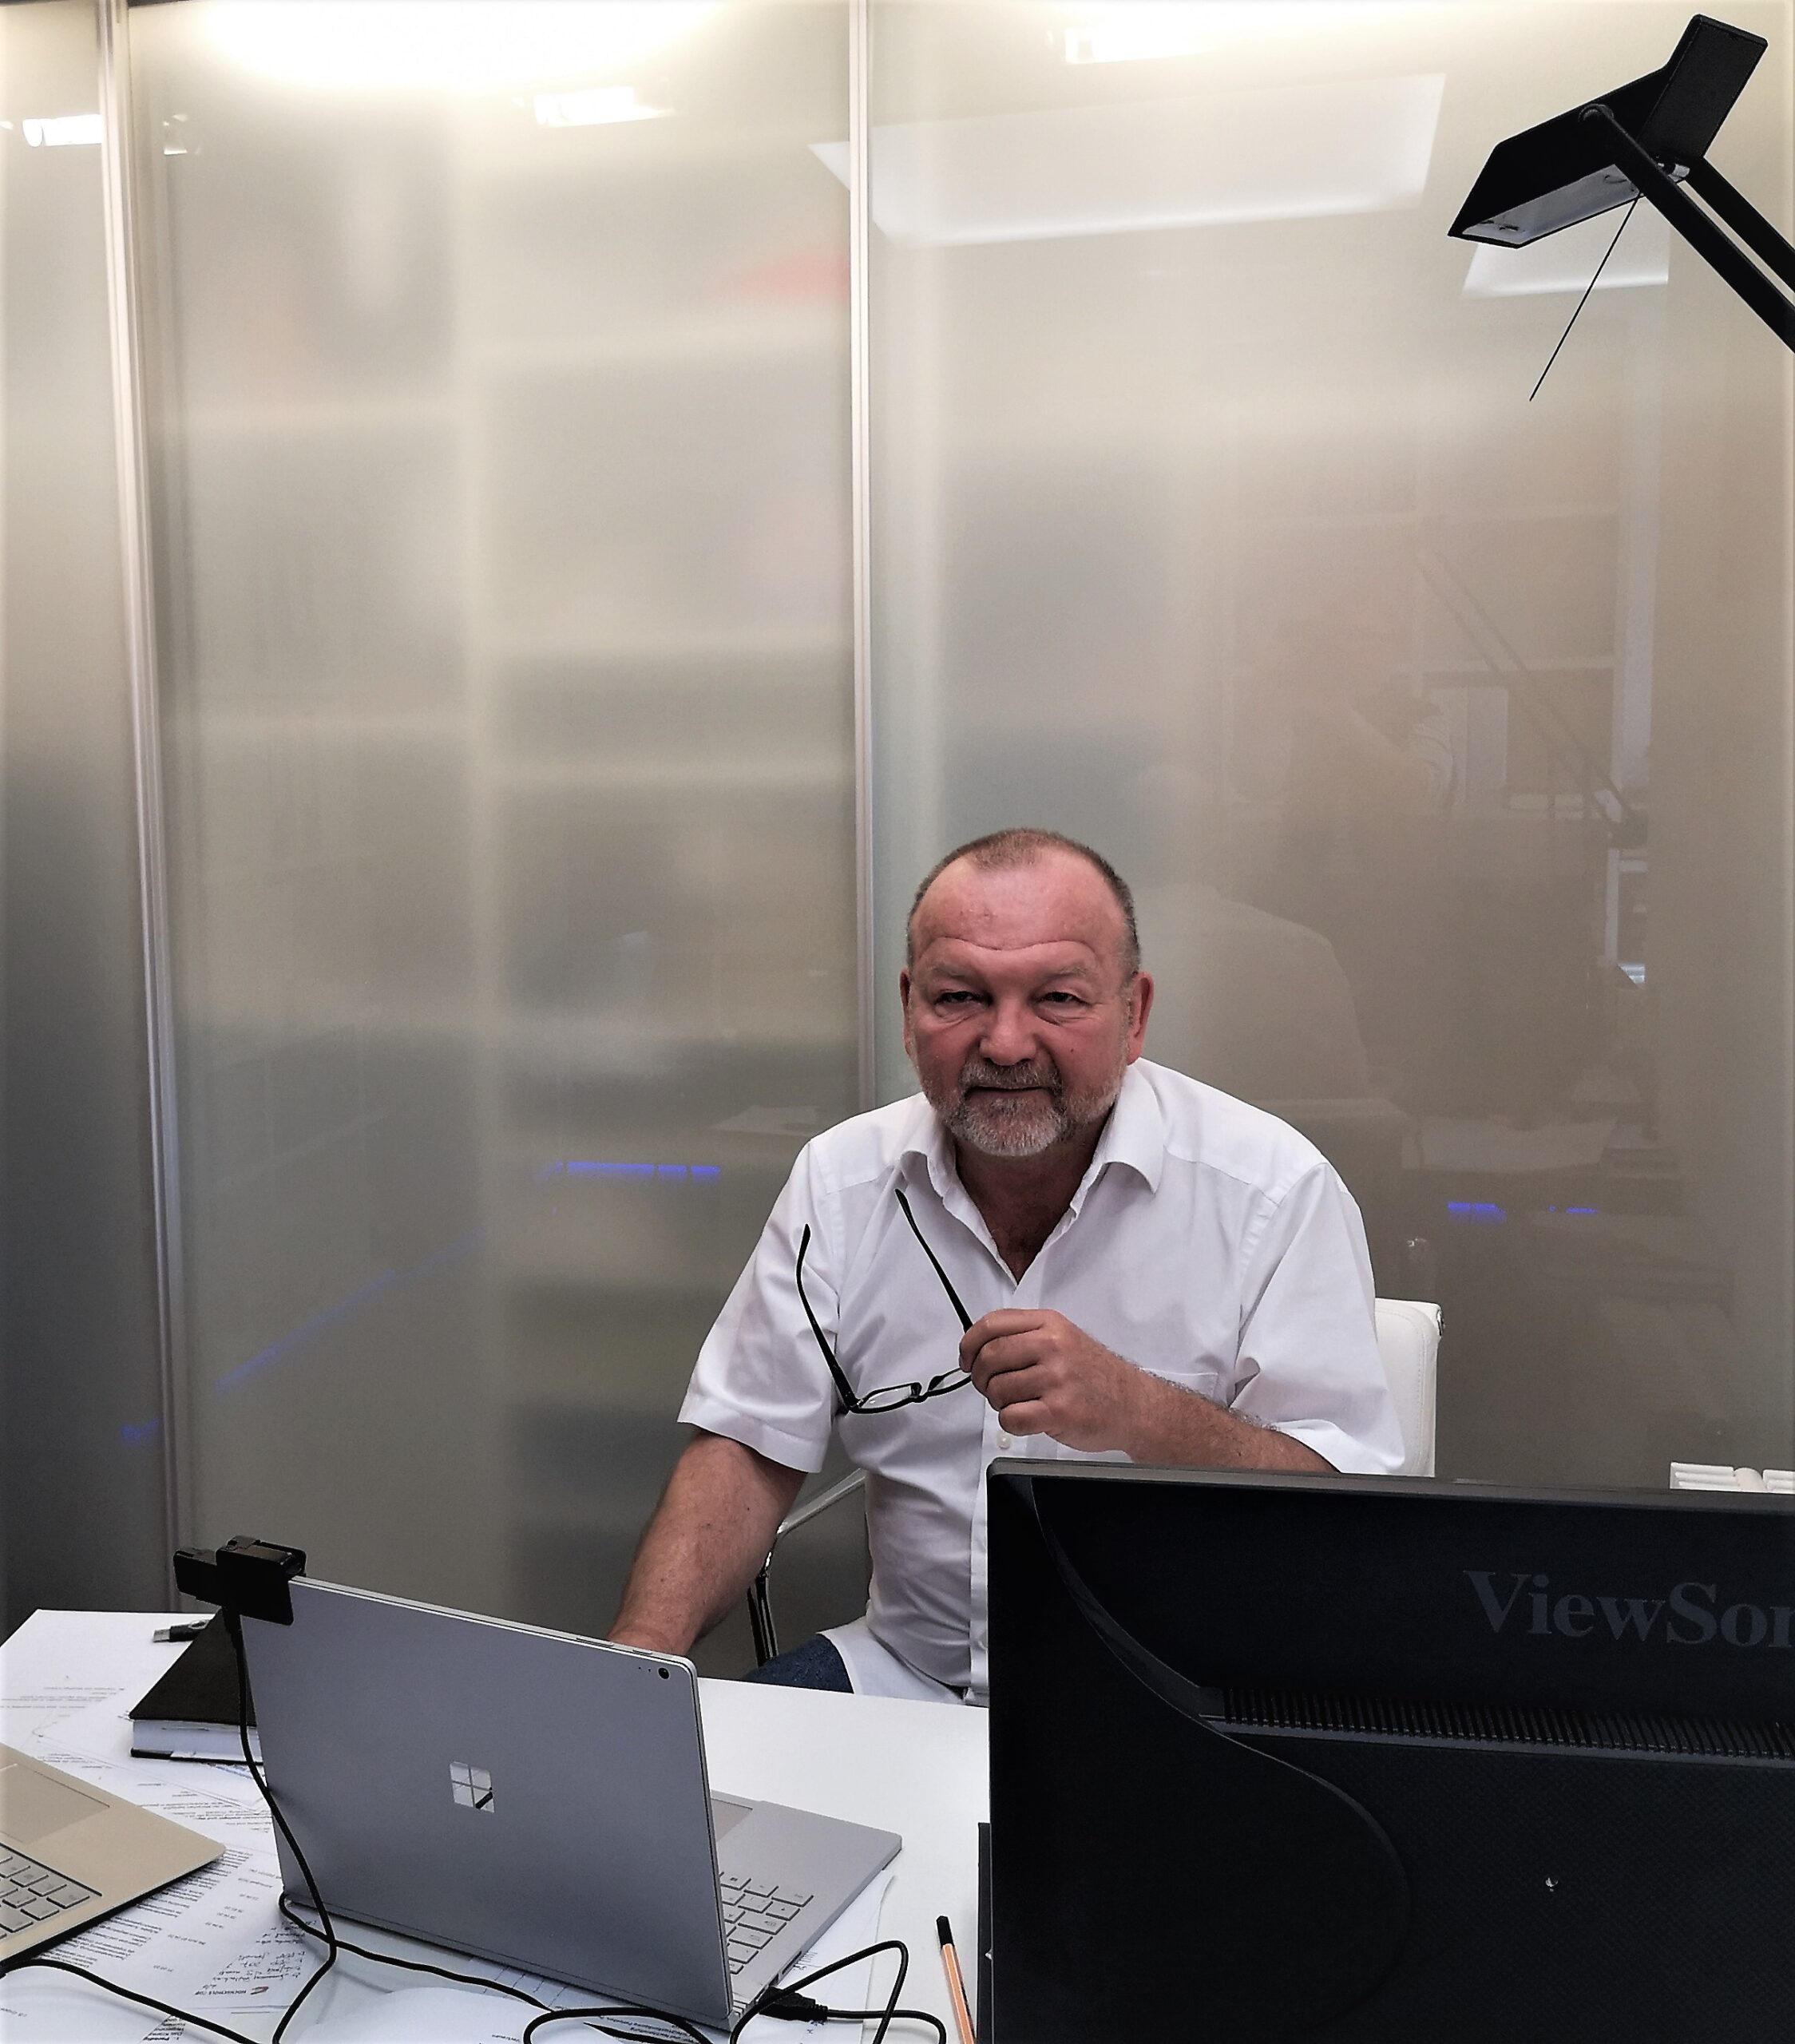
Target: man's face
{"points": [[1017, 1013]]}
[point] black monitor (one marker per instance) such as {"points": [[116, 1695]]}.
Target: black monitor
{"points": [[1342, 1758]]}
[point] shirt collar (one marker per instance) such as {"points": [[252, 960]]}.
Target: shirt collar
{"points": [[1134, 1135], [926, 1142]]}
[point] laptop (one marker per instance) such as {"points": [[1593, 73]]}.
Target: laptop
{"points": [[537, 1799], [70, 1852]]}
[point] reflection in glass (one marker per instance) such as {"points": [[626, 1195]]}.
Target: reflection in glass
{"points": [[1443, 737], [502, 509]]}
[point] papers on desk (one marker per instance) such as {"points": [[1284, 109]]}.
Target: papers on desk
{"points": [[214, 1942], [457, 2015], [36, 1705], [426, 2015]]}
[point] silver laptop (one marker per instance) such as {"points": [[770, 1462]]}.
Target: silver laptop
{"points": [[537, 1799], [69, 1853]]}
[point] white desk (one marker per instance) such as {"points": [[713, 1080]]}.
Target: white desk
{"points": [[916, 1768]]}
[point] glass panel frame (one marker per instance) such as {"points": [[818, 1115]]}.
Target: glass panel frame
{"points": [[81, 1481]]}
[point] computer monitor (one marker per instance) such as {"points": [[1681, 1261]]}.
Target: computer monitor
{"points": [[1392, 1762]]}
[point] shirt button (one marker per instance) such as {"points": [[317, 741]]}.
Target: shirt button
{"points": [[1003, 1441]]}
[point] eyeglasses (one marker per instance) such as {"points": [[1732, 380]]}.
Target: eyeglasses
{"points": [[893, 1397]]}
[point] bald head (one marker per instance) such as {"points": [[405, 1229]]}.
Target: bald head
{"points": [[1062, 890]]}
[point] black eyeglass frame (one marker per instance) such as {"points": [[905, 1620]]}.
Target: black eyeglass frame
{"points": [[891, 1397]]}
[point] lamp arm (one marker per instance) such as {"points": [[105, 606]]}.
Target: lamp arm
{"points": [[1745, 219], [1714, 248]]}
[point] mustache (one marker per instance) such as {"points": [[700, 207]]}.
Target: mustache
{"points": [[1006, 1079]]}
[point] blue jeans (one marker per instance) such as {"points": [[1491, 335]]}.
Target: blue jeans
{"points": [[813, 1666]]}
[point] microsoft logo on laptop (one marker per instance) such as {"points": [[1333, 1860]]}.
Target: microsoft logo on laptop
{"points": [[471, 1787]]}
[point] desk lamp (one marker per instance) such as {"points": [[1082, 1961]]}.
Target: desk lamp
{"points": [[1644, 140]]}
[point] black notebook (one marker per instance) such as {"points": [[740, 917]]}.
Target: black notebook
{"points": [[191, 1712]]}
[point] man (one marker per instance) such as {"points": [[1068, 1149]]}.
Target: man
{"points": [[1142, 1267]]}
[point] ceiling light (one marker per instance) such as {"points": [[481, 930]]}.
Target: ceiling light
{"points": [[444, 45], [1566, 261], [597, 108], [62, 131], [1140, 31], [1290, 152]]}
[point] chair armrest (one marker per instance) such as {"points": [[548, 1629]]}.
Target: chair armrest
{"points": [[802, 1514], [1408, 1347], [760, 1602]]}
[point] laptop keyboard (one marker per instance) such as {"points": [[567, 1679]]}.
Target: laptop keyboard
{"points": [[753, 1914], [30, 1894]]}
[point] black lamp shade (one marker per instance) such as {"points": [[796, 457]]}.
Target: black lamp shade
{"points": [[1564, 171]]}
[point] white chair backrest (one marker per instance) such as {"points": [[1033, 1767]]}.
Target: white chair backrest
{"points": [[1408, 1341]]}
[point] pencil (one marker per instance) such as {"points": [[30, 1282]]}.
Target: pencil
{"points": [[955, 1987]]}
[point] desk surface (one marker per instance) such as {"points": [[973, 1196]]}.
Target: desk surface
{"points": [[916, 1768]]}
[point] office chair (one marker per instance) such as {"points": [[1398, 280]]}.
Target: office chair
{"points": [[1407, 1343]]}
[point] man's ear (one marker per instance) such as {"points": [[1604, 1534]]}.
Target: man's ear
{"points": [[903, 1000], [1142, 998]]}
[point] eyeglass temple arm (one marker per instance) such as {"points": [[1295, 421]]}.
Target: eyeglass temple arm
{"points": [[947, 1282], [844, 1389]]}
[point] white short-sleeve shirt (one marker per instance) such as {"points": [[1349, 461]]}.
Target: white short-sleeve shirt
{"points": [[1208, 1242]]}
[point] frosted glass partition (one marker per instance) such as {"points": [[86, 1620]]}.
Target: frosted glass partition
{"points": [[1446, 737], [81, 1442], [503, 496]]}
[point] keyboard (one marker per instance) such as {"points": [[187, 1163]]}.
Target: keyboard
{"points": [[753, 1914], [30, 1893]]}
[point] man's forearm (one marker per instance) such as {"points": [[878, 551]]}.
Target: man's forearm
{"points": [[1180, 1428], [709, 1535]]}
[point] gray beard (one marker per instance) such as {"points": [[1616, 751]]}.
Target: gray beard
{"points": [[1023, 1125], [1020, 1127], [1028, 1124]]}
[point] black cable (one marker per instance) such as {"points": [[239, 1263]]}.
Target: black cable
{"points": [[896, 2015], [287, 1909], [233, 1627], [618, 2008], [233, 1630], [1584, 300], [866, 1952], [30, 1960], [326, 1930], [784, 2006], [767, 2002], [758, 2006]]}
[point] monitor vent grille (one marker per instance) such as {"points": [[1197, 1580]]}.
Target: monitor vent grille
{"points": [[1288, 1710]]}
